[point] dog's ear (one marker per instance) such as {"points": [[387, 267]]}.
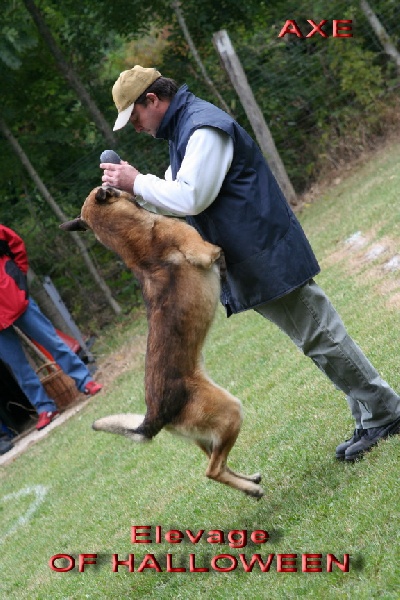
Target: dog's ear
{"points": [[105, 194], [77, 224]]}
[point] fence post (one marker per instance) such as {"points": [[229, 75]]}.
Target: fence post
{"points": [[261, 130]]}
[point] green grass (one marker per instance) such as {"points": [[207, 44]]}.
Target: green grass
{"points": [[96, 486]]}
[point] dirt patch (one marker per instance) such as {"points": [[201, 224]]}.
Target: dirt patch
{"points": [[127, 357], [376, 260]]}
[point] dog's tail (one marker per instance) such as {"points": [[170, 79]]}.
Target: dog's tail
{"points": [[123, 424]]}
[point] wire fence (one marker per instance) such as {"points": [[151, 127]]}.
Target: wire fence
{"points": [[324, 99]]}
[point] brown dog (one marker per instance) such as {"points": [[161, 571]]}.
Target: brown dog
{"points": [[179, 279]]}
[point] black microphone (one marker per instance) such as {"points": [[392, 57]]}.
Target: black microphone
{"points": [[109, 156]]}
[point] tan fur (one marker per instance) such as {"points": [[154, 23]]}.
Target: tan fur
{"points": [[179, 279]]}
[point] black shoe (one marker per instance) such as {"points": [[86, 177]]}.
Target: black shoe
{"points": [[370, 438], [341, 449], [5, 444]]}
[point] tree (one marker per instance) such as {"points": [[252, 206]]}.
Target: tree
{"points": [[70, 74], [177, 7], [256, 118], [381, 33], [16, 36]]}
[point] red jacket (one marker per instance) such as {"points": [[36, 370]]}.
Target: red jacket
{"points": [[13, 282]]}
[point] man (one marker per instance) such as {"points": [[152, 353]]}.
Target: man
{"points": [[16, 308], [220, 181]]}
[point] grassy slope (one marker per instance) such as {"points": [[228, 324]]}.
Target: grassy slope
{"points": [[99, 485]]}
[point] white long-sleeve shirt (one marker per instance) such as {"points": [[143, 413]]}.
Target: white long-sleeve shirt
{"points": [[208, 156]]}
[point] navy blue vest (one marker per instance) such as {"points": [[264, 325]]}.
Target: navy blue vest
{"points": [[266, 251]]}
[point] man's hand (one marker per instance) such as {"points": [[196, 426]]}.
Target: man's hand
{"points": [[121, 176]]}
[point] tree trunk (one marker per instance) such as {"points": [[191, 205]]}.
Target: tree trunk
{"points": [[57, 210], [263, 135], [70, 75], [176, 6], [381, 33]]}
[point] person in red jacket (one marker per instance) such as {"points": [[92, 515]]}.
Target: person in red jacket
{"points": [[5, 440], [17, 308]]}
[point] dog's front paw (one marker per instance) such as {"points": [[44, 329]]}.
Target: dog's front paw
{"points": [[204, 258]]}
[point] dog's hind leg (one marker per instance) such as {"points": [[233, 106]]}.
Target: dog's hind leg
{"points": [[212, 420], [218, 471], [255, 477], [207, 449]]}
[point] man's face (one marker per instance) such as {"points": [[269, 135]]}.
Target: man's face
{"points": [[147, 118]]}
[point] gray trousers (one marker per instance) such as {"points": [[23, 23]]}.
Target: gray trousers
{"points": [[307, 316]]}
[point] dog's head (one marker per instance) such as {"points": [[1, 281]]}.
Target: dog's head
{"points": [[99, 196]]}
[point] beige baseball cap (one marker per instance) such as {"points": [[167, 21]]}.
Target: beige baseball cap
{"points": [[127, 89]]}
